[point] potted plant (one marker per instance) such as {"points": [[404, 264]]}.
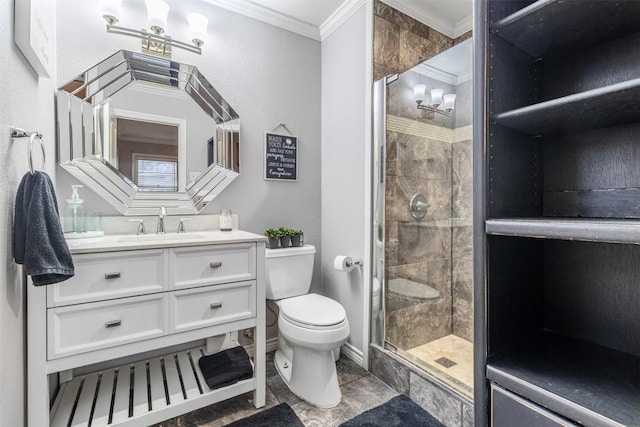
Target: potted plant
{"points": [[297, 238], [285, 237], [274, 237]]}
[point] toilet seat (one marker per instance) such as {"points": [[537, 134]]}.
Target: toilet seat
{"points": [[313, 311]]}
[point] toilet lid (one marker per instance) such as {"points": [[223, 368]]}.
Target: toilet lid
{"points": [[313, 310]]}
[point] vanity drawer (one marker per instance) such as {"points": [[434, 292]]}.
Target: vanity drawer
{"points": [[110, 275], [92, 326], [212, 305], [208, 265]]}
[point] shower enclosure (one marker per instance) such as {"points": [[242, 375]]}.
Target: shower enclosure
{"points": [[422, 302]]}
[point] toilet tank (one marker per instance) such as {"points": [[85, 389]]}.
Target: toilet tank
{"points": [[289, 271]]}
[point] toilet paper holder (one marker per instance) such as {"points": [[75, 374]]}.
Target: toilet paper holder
{"points": [[346, 263], [357, 262]]}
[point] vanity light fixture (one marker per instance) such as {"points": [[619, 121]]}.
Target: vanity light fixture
{"points": [[437, 100], [154, 40]]}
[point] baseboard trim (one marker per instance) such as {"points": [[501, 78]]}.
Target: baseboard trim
{"points": [[350, 352]]}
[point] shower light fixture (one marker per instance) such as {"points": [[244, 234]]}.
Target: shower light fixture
{"points": [[437, 100], [155, 41]]}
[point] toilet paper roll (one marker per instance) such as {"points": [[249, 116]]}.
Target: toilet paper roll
{"points": [[343, 263]]}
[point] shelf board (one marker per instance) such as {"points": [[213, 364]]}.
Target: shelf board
{"points": [[590, 384], [551, 26], [612, 105], [146, 392], [584, 229]]}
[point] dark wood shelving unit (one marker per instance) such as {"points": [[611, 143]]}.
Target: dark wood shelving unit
{"points": [[557, 213], [582, 229], [590, 384], [549, 26], [617, 104]]}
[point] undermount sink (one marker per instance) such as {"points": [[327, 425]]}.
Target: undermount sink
{"points": [[159, 237]]}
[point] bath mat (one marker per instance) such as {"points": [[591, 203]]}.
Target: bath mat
{"points": [[397, 412], [277, 416]]}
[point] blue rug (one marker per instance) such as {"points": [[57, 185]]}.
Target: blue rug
{"points": [[397, 412], [277, 416]]}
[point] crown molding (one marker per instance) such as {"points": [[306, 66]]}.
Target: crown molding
{"points": [[337, 18], [434, 73], [269, 16], [442, 76], [422, 16], [432, 21], [463, 26]]}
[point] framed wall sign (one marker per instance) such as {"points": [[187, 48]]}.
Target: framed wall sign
{"points": [[280, 157], [34, 33]]}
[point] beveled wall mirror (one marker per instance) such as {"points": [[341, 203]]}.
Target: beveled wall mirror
{"points": [[144, 132]]}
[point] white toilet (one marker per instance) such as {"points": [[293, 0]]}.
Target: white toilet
{"points": [[311, 327]]}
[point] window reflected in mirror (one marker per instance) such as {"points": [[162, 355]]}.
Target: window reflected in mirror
{"points": [[147, 153]]}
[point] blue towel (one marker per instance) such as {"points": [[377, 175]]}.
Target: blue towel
{"points": [[38, 240]]}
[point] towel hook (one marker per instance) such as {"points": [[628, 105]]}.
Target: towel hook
{"points": [[21, 133]]}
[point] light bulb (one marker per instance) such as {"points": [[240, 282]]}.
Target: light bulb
{"points": [[110, 10], [198, 28], [157, 11], [419, 92], [436, 97], [449, 101]]}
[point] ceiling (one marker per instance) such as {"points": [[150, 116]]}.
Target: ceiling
{"points": [[317, 18]]}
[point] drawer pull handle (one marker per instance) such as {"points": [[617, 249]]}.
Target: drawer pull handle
{"points": [[112, 275], [215, 305], [215, 264], [112, 323]]}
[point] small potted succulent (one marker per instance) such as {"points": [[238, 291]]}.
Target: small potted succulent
{"points": [[285, 237], [274, 237], [297, 238]]}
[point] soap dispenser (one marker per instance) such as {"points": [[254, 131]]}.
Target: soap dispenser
{"points": [[74, 213]]}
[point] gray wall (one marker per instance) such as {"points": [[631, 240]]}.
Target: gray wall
{"points": [[25, 101], [267, 74], [344, 71]]}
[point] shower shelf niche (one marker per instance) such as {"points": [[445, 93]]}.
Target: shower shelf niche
{"points": [[405, 288]]}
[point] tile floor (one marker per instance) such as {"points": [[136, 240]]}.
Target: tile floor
{"points": [[361, 391], [449, 348]]}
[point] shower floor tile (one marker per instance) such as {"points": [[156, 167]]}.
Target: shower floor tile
{"points": [[451, 351]]}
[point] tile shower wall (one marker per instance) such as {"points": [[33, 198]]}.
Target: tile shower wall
{"points": [[422, 158], [418, 250], [401, 42]]}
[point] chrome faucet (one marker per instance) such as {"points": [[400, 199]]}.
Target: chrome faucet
{"points": [[161, 215]]}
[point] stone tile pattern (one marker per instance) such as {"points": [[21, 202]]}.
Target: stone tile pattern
{"points": [[462, 38], [401, 42], [436, 250], [419, 250], [361, 391], [443, 403]]}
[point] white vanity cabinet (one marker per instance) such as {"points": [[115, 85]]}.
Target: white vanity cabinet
{"points": [[119, 343]]}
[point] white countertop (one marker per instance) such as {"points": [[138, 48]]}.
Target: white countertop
{"points": [[130, 242]]}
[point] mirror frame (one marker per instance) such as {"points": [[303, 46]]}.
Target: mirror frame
{"points": [[83, 132]]}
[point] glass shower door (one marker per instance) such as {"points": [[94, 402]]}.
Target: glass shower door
{"points": [[422, 277]]}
